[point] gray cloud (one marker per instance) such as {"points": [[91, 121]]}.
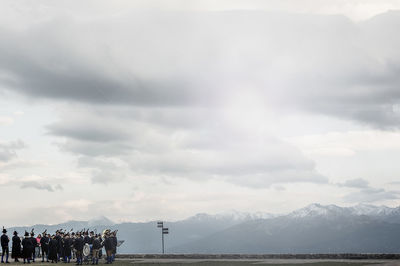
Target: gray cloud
{"points": [[156, 94], [103, 171], [40, 186], [355, 183], [212, 152], [89, 130], [366, 193], [327, 64], [8, 150], [372, 195]]}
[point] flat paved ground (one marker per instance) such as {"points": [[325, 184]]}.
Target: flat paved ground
{"points": [[236, 262], [293, 262]]}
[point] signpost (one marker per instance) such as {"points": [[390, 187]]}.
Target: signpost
{"points": [[164, 231]]}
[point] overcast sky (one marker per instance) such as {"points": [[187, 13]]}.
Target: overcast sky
{"points": [[143, 110]]}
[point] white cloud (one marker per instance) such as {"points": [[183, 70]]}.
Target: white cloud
{"points": [[347, 143], [19, 113], [5, 120]]}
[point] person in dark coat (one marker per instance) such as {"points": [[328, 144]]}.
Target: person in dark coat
{"points": [[53, 249], [102, 244], [4, 246], [73, 251], [34, 244], [27, 248], [67, 243], [115, 242], [16, 247], [78, 245], [59, 236], [96, 249], [44, 243], [86, 240], [109, 246]]}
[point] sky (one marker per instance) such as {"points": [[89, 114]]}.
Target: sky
{"points": [[148, 110]]}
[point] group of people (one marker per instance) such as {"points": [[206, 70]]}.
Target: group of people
{"points": [[63, 246]]}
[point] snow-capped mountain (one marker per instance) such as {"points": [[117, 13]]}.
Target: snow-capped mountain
{"points": [[232, 215], [316, 209], [315, 228], [371, 210]]}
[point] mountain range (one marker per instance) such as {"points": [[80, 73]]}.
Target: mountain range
{"points": [[313, 229]]}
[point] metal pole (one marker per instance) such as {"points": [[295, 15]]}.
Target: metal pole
{"points": [[162, 235]]}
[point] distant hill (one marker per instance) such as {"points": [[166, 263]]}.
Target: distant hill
{"points": [[313, 229]]}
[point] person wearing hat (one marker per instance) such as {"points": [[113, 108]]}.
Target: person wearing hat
{"points": [[44, 244], [73, 250], [78, 245], [4, 245], [96, 249], [27, 248], [67, 243], [53, 247], [108, 245], [34, 245], [91, 242], [58, 237], [115, 243], [86, 240], [16, 247]]}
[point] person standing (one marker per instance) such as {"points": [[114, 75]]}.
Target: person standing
{"points": [[34, 244], [16, 247], [38, 251], [91, 243], [73, 251], [108, 245], [96, 249], [67, 248], [44, 244], [4, 245], [59, 244], [86, 240], [78, 245], [27, 248], [115, 243], [53, 249]]}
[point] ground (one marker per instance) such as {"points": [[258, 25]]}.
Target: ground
{"points": [[194, 262]]}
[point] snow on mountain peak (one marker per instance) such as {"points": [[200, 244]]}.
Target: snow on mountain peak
{"points": [[371, 210], [233, 215], [312, 210], [317, 209]]}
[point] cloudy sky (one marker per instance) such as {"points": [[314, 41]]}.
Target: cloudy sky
{"points": [[142, 110]]}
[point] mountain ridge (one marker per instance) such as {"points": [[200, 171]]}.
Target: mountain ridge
{"points": [[314, 228]]}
